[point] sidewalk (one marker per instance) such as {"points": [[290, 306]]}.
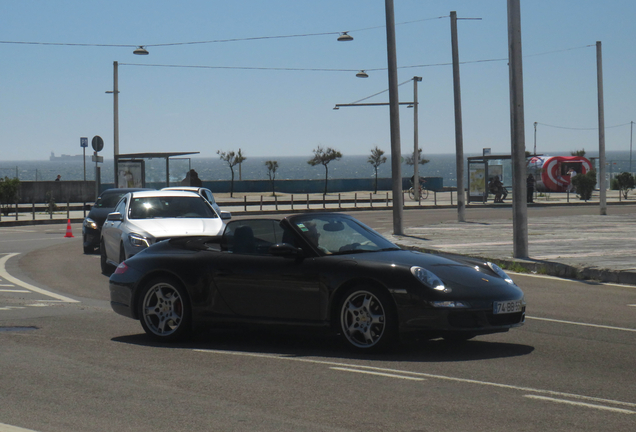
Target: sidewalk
{"points": [[595, 247], [600, 248]]}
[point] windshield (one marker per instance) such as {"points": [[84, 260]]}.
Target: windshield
{"points": [[335, 234], [109, 200], [170, 207]]}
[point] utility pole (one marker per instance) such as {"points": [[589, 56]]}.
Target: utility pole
{"points": [[416, 145], [631, 136], [601, 130], [394, 107], [518, 147], [115, 119], [459, 135]]}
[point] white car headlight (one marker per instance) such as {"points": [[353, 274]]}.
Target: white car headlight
{"points": [[502, 274], [138, 240], [90, 223], [428, 278]]}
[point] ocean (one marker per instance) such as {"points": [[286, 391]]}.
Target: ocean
{"points": [[289, 168]]}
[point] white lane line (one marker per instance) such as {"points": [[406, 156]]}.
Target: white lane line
{"points": [[582, 324], [14, 291], [421, 374], [9, 278], [568, 280], [587, 405], [378, 373], [9, 428], [33, 239]]}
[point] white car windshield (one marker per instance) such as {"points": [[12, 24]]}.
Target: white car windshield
{"points": [[170, 207]]}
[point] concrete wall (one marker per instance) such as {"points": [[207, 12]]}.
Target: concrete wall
{"points": [[62, 191], [80, 191], [308, 186]]}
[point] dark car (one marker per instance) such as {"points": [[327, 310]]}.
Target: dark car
{"points": [[92, 226], [318, 270]]}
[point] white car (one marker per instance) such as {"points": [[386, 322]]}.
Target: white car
{"points": [[141, 219], [205, 193]]}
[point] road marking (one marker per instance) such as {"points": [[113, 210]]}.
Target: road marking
{"points": [[377, 373], [14, 291], [582, 324], [9, 278], [568, 279], [33, 239], [587, 405], [11, 307], [9, 428], [421, 374]]}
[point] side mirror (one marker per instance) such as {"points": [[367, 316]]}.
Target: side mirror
{"points": [[285, 250], [115, 216], [226, 215]]}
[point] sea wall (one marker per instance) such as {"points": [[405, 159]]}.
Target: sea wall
{"points": [[80, 191]]}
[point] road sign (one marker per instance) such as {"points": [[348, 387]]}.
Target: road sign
{"points": [[96, 158], [84, 142], [97, 143]]}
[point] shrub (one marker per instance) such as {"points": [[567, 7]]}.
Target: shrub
{"points": [[585, 184], [624, 183], [8, 193]]}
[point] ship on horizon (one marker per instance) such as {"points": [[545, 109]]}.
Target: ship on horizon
{"points": [[65, 157]]}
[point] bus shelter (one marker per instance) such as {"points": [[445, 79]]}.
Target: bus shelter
{"points": [[131, 168], [481, 169]]}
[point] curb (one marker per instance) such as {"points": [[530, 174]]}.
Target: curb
{"points": [[548, 268]]}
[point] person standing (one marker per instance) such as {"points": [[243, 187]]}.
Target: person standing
{"points": [[58, 178], [571, 173], [530, 188]]}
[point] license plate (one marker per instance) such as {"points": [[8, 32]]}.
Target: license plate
{"points": [[507, 307]]}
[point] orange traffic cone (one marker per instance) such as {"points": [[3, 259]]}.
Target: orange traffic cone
{"points": [[69, 232]]}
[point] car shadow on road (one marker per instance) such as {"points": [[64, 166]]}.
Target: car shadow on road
{"points": [[292, 344]]}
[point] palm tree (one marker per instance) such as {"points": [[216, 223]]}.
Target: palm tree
{"points": [[272, 166], [376, 159], [232, 160], [323, 157]]}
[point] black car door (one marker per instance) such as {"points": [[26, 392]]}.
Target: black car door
{"points": [[256, 284]]}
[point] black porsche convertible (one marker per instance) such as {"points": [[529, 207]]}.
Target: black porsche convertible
{"points": [[314, 269]]}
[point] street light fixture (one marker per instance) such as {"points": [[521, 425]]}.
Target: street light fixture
{"points": [[140, 51], [362, 74], [345, 37]]}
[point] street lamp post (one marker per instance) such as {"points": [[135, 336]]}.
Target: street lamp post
{"points": [[631, 135], [394, 101], [115, 93], [518, 144], [416, 152]]}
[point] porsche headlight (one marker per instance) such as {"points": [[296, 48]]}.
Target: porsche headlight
{"points": [[138, 240], [90, 223], [428, 278], [502, 274]]}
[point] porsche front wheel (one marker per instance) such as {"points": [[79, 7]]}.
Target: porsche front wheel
{"points": [[367, 319]]}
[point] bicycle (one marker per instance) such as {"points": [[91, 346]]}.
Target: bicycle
{"points": [[423, 193]]}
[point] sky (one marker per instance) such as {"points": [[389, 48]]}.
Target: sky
{"points": [[246, 88]]}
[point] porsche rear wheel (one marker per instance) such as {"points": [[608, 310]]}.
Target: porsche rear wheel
{"points": [[164, 310], [367, 319]]}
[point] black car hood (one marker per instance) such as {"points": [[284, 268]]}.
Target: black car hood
{"points": [[99, 214], [454, 273]]}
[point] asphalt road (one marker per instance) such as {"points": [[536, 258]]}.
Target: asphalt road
{"points": [[71, 364]]}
